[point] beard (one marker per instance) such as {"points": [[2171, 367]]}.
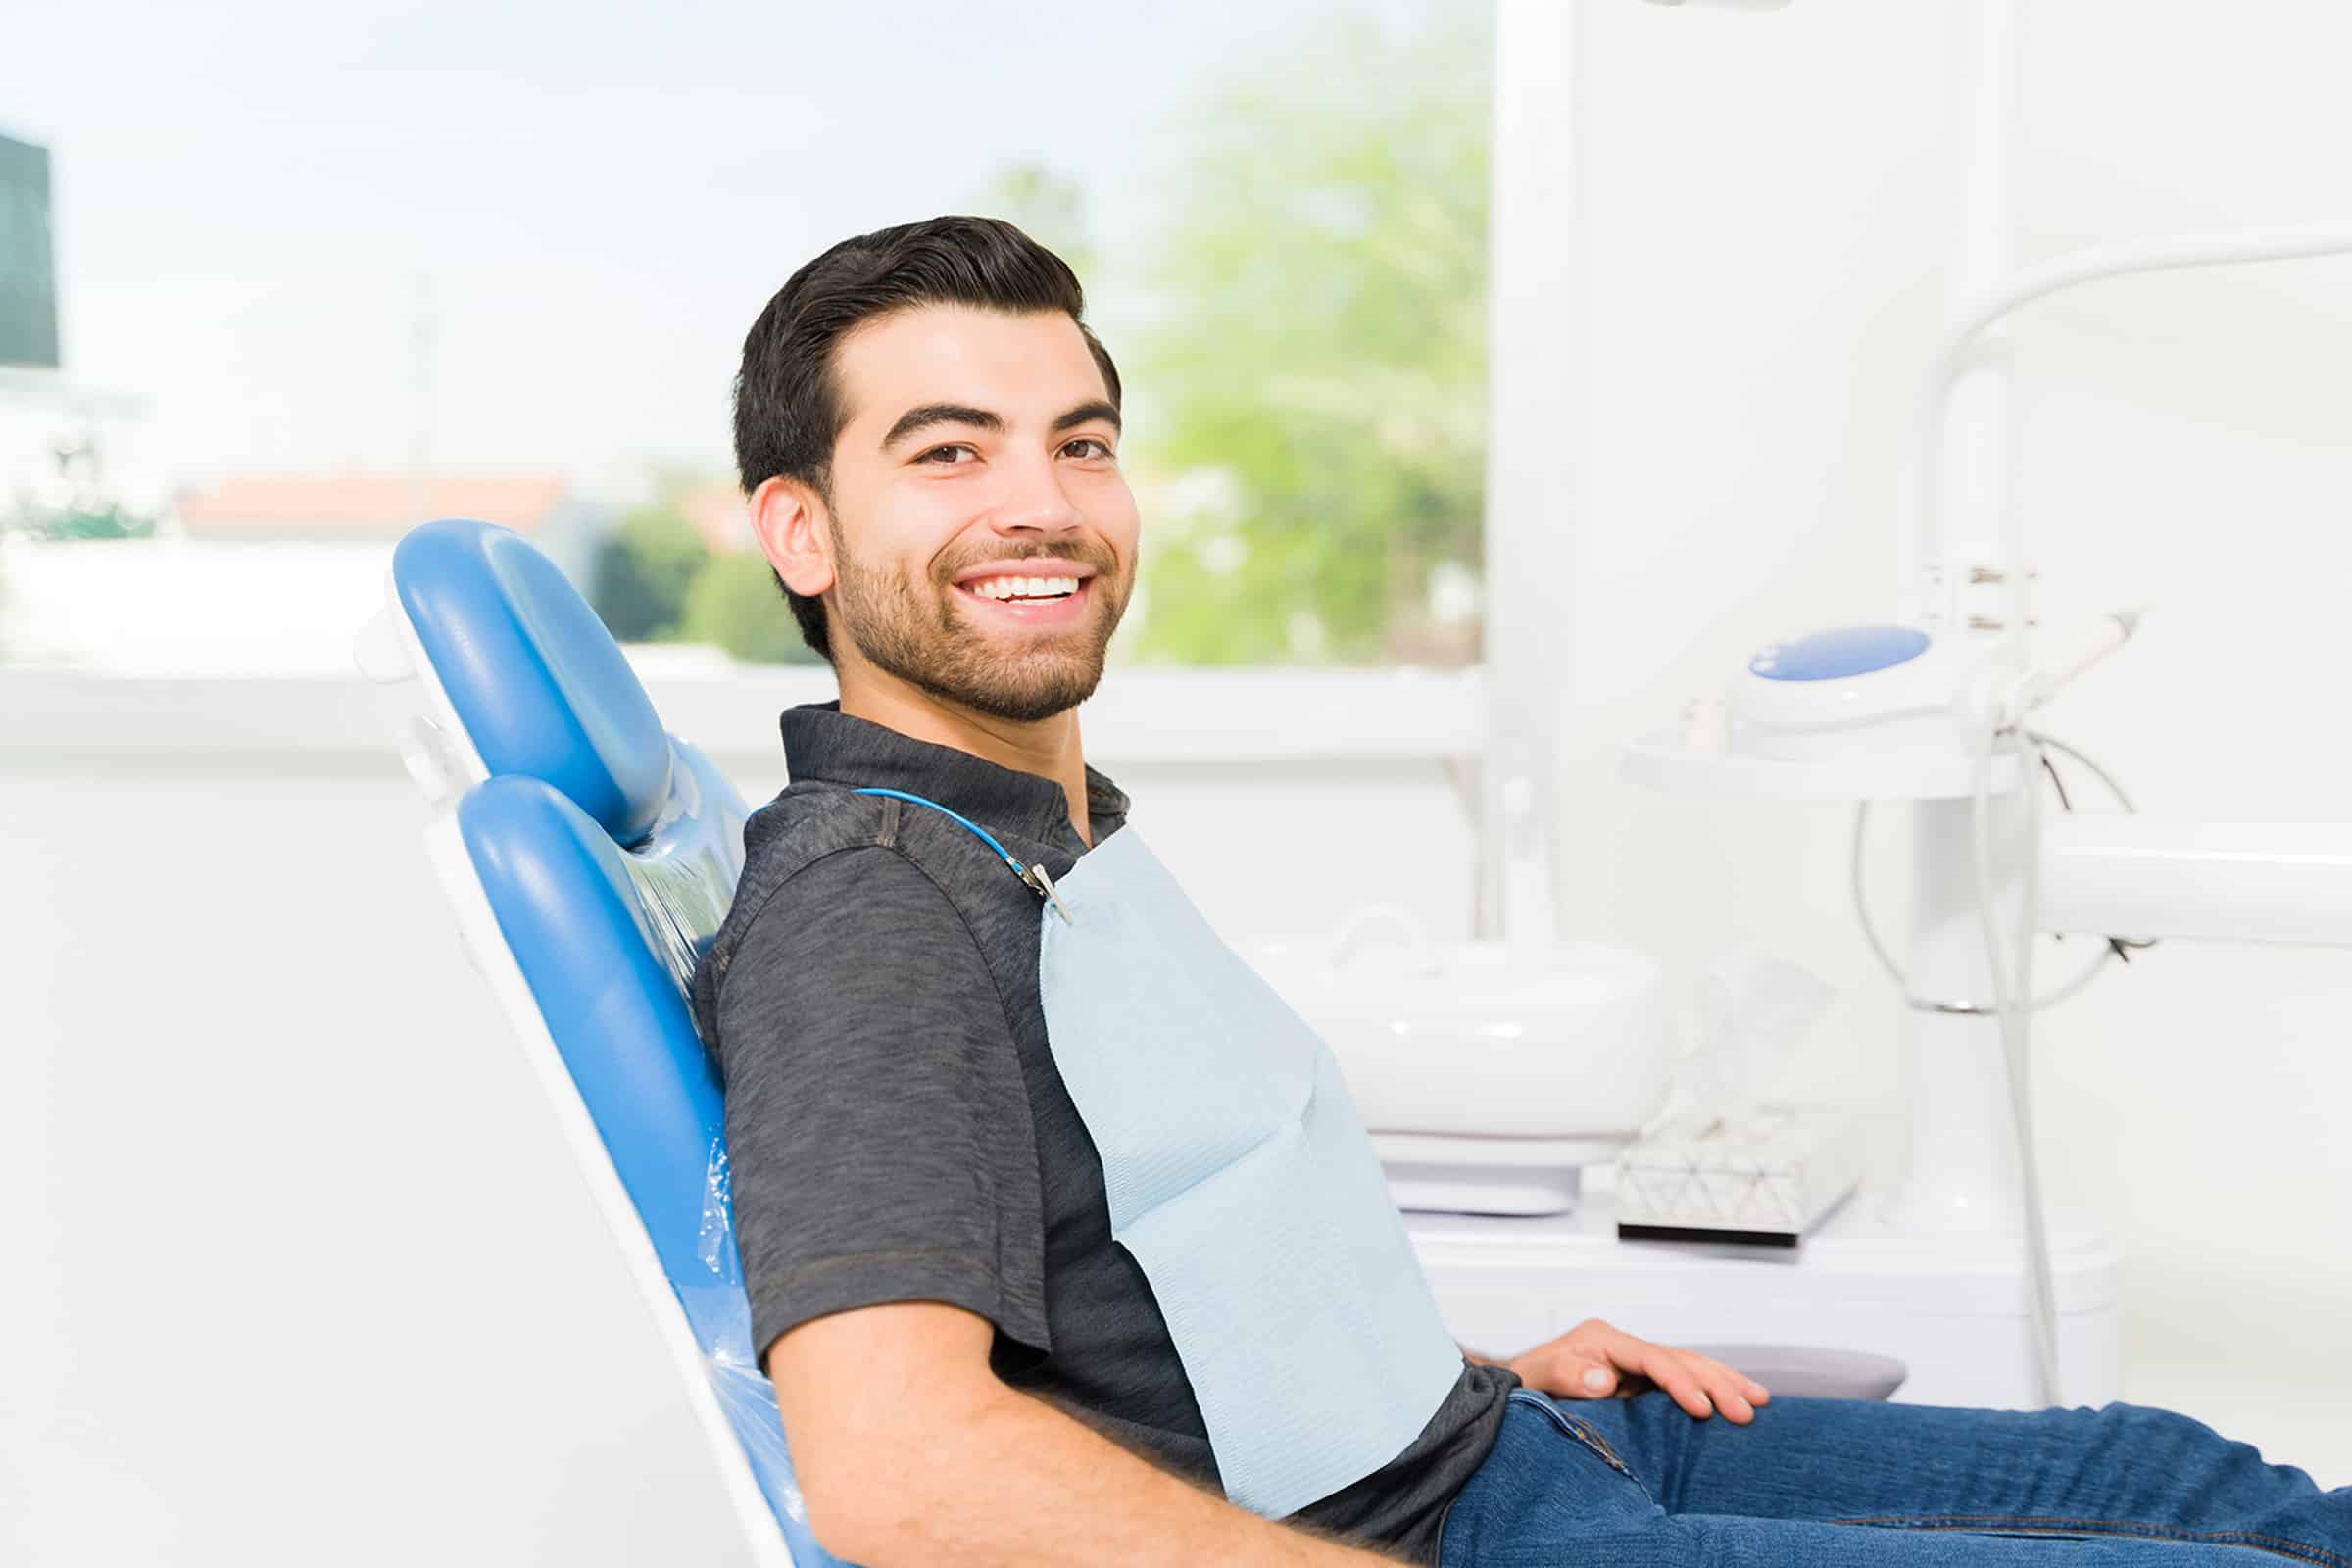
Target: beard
{"points": [[915, 631]]}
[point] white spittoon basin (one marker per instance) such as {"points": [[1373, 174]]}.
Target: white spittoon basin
{"points": [[1580, 1032]]}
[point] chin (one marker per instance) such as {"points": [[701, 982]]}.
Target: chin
{"points": [[1028, 702], [1022, 685]]}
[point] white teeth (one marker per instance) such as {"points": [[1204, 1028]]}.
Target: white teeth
{"points": [[1023, 587]]}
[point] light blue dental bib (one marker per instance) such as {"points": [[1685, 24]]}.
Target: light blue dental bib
{"points": [[1242, 1182]]}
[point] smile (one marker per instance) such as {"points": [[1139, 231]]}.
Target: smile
{"points": [[1039, 602], [1024, 589]]}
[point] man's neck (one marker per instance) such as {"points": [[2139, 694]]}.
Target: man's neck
{"points": [[1049, 747]]}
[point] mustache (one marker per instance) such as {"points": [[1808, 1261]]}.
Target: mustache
{"points": [[1101, 559]]}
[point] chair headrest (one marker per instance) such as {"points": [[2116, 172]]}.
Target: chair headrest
{"points": [[537, 681]]}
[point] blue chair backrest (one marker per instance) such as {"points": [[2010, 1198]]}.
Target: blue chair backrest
{"points": [[607, 852]]}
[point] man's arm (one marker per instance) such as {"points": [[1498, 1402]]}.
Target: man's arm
{"points": [[911, 1453]]}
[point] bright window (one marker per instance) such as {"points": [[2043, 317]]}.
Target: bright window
{"points": [[321, 271]]}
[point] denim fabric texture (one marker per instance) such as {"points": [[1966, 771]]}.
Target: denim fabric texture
{"points": [[1844, 1484]]}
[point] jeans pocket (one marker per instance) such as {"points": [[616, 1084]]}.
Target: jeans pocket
{"points": [[1532, 1490], [1575, 1427]]}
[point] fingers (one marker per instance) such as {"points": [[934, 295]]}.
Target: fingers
{"points": [[1699, 1384], [1595, 1342], [1596, 1359], [1729, 1390], [1596, 1380], [1573, 1366], [1726, 1380], [1669, 1371], [1568, 1372]]}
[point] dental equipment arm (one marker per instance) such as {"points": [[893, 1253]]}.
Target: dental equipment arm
{"points": [[2088, 266], [2213, 881], [918, 1457]]}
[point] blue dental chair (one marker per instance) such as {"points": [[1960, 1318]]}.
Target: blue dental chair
{"points": [[590, 857]]}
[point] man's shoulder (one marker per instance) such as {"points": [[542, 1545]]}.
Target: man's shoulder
{"points": [[832, 877], [809, 835], [814, 848], [808, 821], [813, 836]]}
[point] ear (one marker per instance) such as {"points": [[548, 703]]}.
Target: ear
{"points": [[791, 525]]}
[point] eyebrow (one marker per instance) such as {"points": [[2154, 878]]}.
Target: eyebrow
{"points": [[928, 415], [1087, 414]]}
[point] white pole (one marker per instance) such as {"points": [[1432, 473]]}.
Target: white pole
{"points": [[1536, 353], [1964, 1157], [1964, 1172], [1962, 506]]}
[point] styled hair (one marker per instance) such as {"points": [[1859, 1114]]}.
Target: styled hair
{"points": [[788, 405]]}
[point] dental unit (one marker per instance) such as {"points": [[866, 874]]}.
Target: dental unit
{"points": [[1956, 1275]]}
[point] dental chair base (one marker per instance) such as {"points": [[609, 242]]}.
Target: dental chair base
{"points": [[1951, 1308]]}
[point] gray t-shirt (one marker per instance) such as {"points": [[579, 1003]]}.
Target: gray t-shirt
{"points": [[896, 1130]]}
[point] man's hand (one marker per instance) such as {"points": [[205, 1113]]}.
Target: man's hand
{"points": [[1594, 1360]]}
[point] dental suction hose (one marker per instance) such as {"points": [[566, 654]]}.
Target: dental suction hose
{"points": [[2011, 1011]]}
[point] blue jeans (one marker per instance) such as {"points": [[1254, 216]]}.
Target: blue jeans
{"points": [[1842, 1484]]}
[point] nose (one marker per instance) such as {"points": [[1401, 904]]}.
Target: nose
{"points": [[1034, 502]]}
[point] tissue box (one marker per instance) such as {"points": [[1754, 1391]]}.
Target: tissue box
{"points": [[1763, 1176]]}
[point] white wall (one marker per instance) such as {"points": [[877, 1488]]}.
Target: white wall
{"points": [[1770, 205]]}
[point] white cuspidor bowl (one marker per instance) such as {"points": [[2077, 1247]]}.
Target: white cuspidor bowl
{"points": [[1569, 1040]]}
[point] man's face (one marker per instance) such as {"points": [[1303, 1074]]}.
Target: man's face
{"points": [[983, 539]]}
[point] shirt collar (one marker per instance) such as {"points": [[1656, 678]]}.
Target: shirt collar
{"points": [[823, 743]]}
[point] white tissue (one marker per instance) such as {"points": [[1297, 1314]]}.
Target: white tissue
{"points": [[1754, 1010]]}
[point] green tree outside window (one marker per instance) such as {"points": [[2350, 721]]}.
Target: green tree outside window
{"points": [[1316, 372]]}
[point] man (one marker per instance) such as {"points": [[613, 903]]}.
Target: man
{"points": [[971, 1369]]}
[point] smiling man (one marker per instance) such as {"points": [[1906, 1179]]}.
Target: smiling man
{"points": [[945, 1080]]}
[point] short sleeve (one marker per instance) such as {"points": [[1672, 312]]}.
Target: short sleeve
{"points": [[879, 1139]]}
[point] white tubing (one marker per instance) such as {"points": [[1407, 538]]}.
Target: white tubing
{"points": [[2015, 1042]]}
